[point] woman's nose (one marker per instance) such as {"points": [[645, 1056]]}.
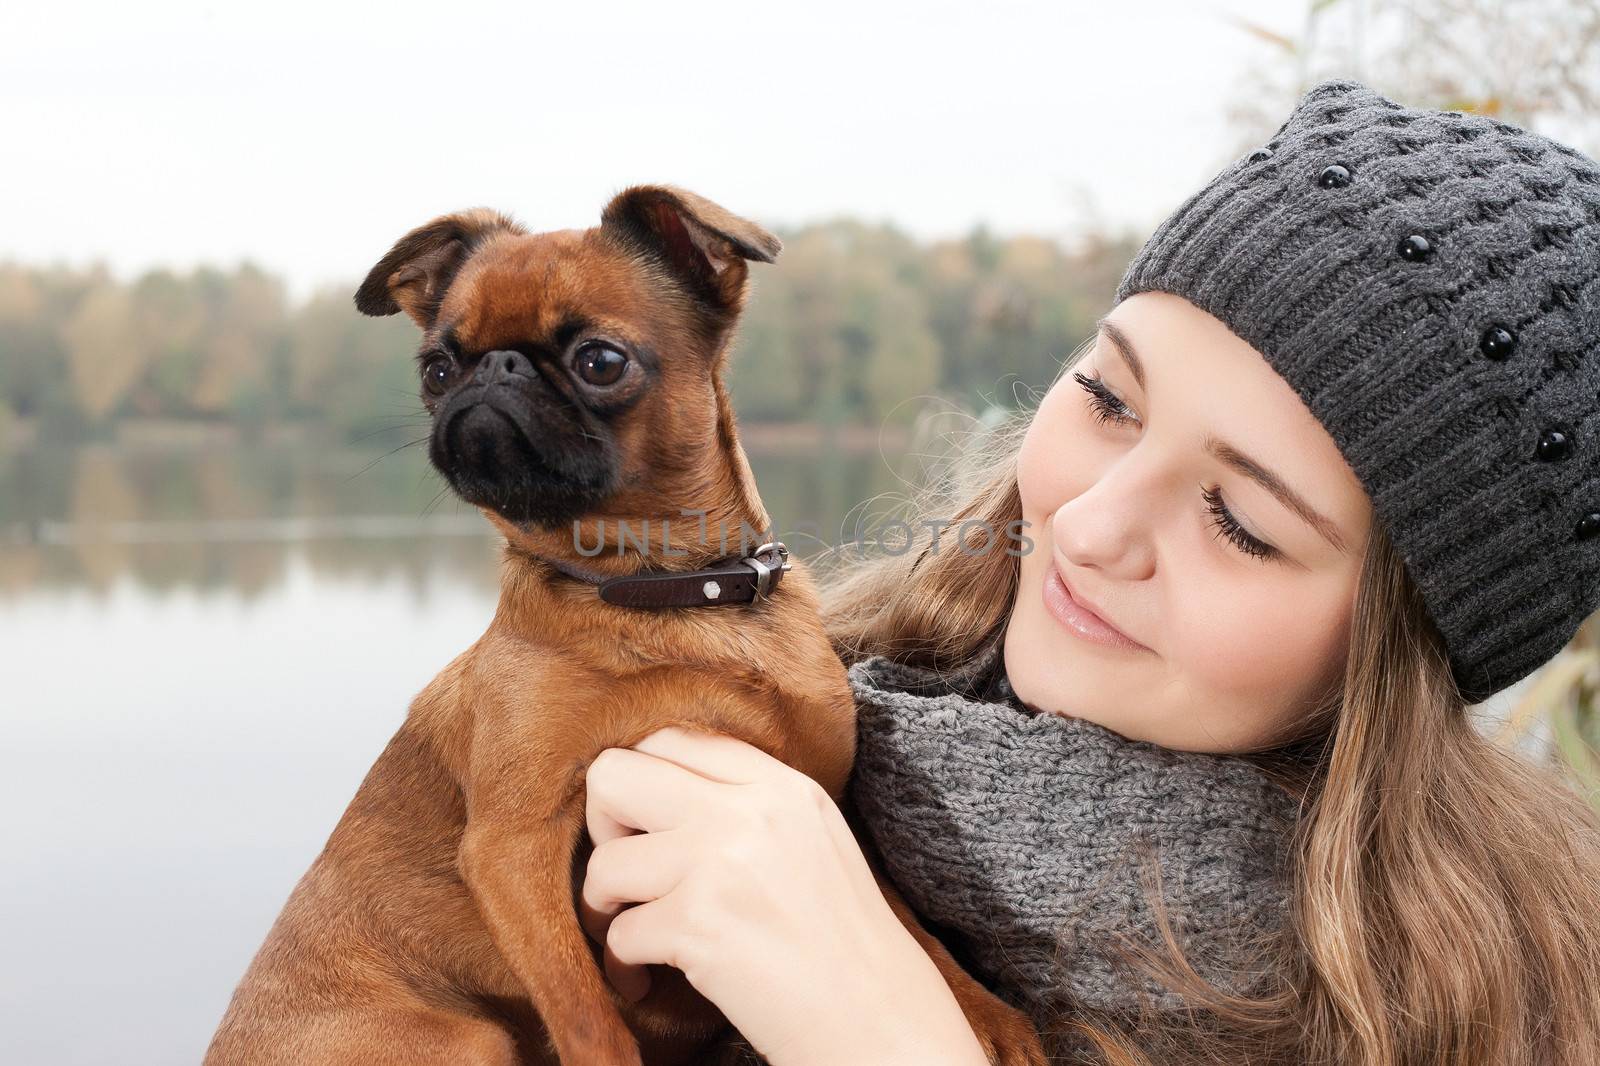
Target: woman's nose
{"points": [[1112, 522]]}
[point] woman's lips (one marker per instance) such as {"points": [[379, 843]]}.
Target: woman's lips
{"points": [[1077, 618]]}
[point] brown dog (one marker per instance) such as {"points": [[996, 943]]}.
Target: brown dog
{"points": [[575, 381]]}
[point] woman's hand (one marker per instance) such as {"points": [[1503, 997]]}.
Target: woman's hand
{"points": [[749, 880]]}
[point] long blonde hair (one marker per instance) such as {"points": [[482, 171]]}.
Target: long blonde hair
{"points": [[1445, 890]]}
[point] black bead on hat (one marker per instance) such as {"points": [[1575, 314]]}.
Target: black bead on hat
{"points": [[1429, 284]]}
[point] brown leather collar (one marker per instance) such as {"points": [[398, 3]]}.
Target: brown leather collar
{"points": [[742, 579]]}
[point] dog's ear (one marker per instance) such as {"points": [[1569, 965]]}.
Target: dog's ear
{"points": [[704, 244], [415, 273]]}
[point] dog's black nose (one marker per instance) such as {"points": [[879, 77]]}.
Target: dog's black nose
{"points": [[500, 365]]}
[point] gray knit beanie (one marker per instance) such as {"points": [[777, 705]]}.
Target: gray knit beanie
{"points": [[1429, 284]]}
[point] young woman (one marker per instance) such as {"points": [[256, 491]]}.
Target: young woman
{"points": [[1165, 720]]}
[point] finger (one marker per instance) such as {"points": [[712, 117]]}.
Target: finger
{"points": [[650, 933], [639, 937], [714, 755], [627, 790], [631, 979], [630, 869]]}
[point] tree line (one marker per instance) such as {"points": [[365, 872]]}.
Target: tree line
{"points": [[853, 320]]}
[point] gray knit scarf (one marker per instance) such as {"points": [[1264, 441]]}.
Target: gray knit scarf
{"points": [[1016, 836]]}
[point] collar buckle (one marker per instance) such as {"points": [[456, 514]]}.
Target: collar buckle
{"points": [[763, 570]]}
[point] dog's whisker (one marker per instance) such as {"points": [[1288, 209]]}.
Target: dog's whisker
{"points": [[385, 455], [433, 502], [408, 423]]}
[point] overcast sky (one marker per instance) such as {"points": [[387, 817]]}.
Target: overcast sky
{"points": [[307, 136]]}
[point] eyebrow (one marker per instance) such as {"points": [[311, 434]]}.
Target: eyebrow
{"points": [[1230, 455]]}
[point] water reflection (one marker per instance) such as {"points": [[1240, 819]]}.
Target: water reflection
{"points": [[230, 518]]}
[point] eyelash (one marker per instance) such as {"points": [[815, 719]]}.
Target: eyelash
{"points": [[1232, 529], [1102, 401], [1105, 406]]}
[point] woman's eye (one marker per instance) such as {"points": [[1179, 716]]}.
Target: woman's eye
{"points": [[437, 375], [600, 364], [1107, 408], [1229, 527], [1103, 402]]}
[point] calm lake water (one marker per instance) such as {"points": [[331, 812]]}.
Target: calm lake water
{"points": [[203, 650]]}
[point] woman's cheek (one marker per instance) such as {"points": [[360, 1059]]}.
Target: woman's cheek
{"points": [[1257, 650], [1047, 459]]}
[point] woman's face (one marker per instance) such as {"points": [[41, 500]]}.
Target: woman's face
{"points": [[1146, 490]]}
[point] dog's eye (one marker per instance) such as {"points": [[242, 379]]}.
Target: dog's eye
{"points": [[600, 364], [437, 375]]}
